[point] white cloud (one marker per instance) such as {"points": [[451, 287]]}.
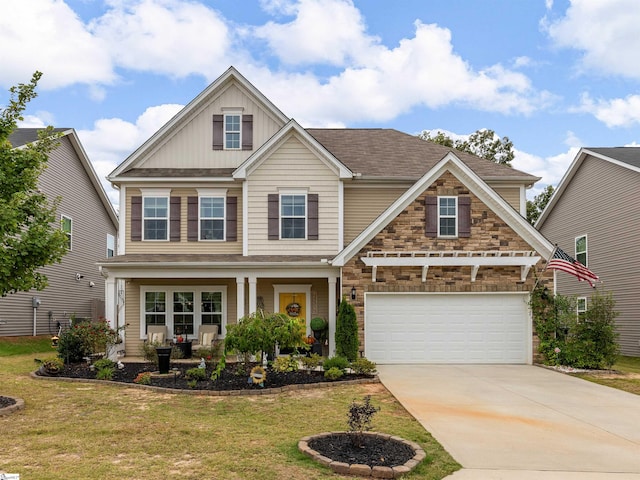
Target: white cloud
{"points": [[617, 112], [48, 36], [606, 31]]}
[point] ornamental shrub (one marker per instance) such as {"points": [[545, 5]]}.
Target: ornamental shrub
{"points": [[347, 331], [196, 374], [363, 366], [341, 363], [333, 373], [359, 419], [287, 363]]}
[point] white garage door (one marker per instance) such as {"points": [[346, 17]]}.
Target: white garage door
{"points": [[447, 328]]}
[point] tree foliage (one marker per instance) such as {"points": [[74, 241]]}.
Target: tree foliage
{"points": [[536, 206], [484, 143], [30, 238], [347, 332]]}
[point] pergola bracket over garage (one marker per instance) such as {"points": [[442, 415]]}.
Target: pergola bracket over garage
{"points": [[525, 259]]}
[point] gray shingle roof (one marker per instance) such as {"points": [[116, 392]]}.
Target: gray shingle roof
{"points": [[22, 136], [629, 155], [178, 172]]}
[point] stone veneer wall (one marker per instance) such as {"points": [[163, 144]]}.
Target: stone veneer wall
{"points": [[407, 233]]}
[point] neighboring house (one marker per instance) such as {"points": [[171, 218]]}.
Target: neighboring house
{"points": [[594, 216], [232, 207], [86, 214]]}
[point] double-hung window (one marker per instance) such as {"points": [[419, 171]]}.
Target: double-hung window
{"points": [[581, 250], [232, 131], [293, 216], [581, 306], [155, 218], [111, 245], [212, 218], [155, 308], [67, 228], [211, 303], [447, 216]]}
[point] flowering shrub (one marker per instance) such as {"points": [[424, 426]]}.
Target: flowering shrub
{"points": [[84, 339], [143, 378]]}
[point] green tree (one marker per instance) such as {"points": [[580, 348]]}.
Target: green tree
{"points": [[30, 238], [347, 332], [484, 143], [536, 206]]}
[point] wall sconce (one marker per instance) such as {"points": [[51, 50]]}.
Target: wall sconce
{"points": [[353, 293], [78, 277]]}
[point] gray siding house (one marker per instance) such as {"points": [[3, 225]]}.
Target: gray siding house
{"points": [[594, 215], [75, 285]]}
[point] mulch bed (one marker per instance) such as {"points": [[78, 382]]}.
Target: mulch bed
{"points": [[232, 378], [6, 401], [374, 451]]}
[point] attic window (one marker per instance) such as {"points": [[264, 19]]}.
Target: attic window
{"points": [[232, 131]]}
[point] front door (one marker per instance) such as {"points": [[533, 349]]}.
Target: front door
{"points": [[295, 305]]}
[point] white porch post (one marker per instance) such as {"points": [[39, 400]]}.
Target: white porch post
{"points": [[253, 294], [239, 297], [332, 316], [111, 301]]}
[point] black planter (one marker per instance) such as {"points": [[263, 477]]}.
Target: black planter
{"points": [[186, 348], [164, 358]]}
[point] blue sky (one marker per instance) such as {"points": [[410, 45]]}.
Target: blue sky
{"points": [[551, 75]]}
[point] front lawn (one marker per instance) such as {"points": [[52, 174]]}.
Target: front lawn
{"points": [[24, 345], [80, 430], [626, 376]]}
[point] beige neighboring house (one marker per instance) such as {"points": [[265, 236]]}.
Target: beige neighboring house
{"points": [[90, 221], [594, 216], [233, 207]]}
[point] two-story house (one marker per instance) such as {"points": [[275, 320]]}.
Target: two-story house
{"points": [[594, 215], [89, 220], [233, 207]]}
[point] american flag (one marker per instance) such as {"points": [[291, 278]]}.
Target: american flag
{"points": [[560, 260]]}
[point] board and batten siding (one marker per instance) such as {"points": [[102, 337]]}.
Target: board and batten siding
{"points": [[602, 201], [363, 204], [185, 246], [192, 145], [65, 296], [293, 166]]}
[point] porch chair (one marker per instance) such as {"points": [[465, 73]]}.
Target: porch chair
{"points": [[157, 334], [207, 335]]}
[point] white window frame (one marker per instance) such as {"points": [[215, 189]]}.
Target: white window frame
{"points": [[281, 217], [238, 132], [582, 252], [197, 290], [69, 234], [454, 216], [111, 245], [212, 193], [145, 218], [581, 305], [143, 309]]}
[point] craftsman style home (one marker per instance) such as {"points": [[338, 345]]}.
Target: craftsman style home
{"points": [[233, 207], [594, 215], [76, 288]]}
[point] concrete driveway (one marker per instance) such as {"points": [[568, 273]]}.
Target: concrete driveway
{"points": [[522, 422]]}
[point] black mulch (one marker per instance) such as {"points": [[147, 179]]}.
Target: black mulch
{"points": [[6, 401], [232, 378], [374, 451]]}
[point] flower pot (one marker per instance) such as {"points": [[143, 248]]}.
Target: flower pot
{"points": [[164, 358]]}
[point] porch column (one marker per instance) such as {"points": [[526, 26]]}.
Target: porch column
{"points": [[239, 297], [253, 294], [332, 316], [111, 302]]}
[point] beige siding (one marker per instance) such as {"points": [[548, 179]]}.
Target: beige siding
{"points": [[362, 205], [511, 195], [65, 296], [293, 166], [602, 202], [184, 246], [191, 146]]}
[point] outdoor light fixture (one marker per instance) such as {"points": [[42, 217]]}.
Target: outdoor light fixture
{"points": [[353, 293]]}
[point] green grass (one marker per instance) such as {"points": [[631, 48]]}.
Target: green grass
{"points": [[628, 380], [628, 364], [25, 345], [81, 430]]}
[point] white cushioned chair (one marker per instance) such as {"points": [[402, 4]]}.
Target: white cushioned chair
{"points": [[157, 334], [207, 335]]}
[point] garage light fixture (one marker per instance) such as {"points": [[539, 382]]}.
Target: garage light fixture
{"points": [[353, 293]]}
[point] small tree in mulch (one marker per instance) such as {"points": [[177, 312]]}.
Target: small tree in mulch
{"points": [[347, 332], [359, 419]]}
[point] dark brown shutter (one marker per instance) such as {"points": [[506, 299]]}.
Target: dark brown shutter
{"points": [[312, 216], [464, 216], [218, 132], [174, 219], [136, 219], [247, 132], [274, 216], [232, 219], [192, 219], [431, 220]]}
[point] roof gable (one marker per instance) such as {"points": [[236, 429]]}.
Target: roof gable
{"points": [[474, 183], [230, 78], [625, 157]]}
